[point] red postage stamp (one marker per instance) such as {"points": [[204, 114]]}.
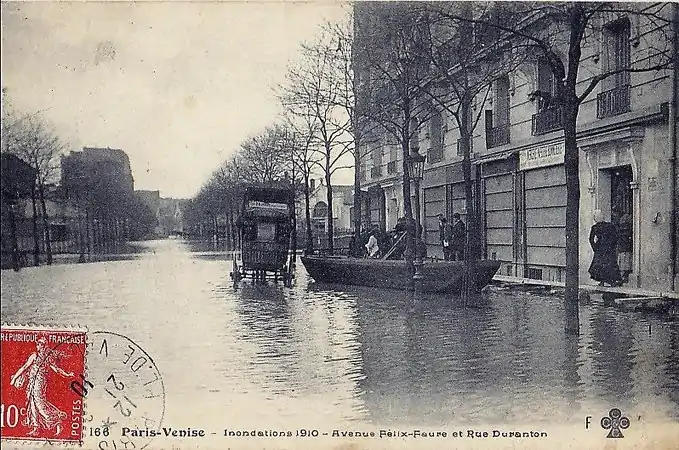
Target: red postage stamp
{"points": [[40, 366]]}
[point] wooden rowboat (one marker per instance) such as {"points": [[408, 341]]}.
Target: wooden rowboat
{"points": [[438, 276]]}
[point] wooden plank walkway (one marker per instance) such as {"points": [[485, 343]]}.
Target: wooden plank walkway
{"points": [[621, 290]]}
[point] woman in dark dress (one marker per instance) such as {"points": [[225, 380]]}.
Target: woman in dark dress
{"points": [[603, 238]]}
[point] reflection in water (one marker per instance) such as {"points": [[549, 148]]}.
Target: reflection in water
{"points": [[611, 346], [352, 354], [508, 363]]}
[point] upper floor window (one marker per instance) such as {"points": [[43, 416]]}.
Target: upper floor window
{"points": [[546, 85], [497, 119], [435, 137], [376, 154], [617, 59], [501, 105], [320, 210]]}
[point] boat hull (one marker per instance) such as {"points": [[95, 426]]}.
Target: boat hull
{"points": [[438, 276]]}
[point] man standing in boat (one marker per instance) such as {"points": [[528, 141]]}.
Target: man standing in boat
{"points": [[458, 238], [445, 236]]}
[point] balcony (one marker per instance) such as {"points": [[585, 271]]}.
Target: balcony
{"points": [[434, 155], [497, 136], [613, 102], [391, 167], [549, 119], [375, 172]]}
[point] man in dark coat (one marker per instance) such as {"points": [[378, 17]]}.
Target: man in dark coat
{"points": [[603, 238], [445, 236], [458, 238]]}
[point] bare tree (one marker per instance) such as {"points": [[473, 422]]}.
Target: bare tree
{"points": [[313, 87], [559, 34], [261, 158], [359, 128], [32, 139], [466, 60], [302, 140], [393, 79]]}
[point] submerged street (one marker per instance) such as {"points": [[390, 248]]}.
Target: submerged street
{"points": [[322, 357]]}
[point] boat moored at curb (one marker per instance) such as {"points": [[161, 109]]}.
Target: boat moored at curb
{"points": [[437, 276]]}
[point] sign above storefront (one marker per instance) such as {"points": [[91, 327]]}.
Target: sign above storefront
{"points": [[544, 155]]}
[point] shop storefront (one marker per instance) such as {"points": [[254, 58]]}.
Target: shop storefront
{"points": [[443, 193], [542, 205], [499, 218]]}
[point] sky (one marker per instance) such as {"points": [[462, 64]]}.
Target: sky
{"points": [[176, 85]]}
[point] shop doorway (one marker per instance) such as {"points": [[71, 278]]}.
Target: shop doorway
{"points": [[621, 193], [622, 216]]}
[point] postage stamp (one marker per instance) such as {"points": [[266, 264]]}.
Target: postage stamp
{"points": [[39, 366]]}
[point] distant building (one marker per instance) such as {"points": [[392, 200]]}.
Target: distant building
{"points": [[318, 204], [152, 200], [108, 167], [342, 200], [170, 217]]}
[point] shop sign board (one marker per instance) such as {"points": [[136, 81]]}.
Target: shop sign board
{"points": [[541, 156]]}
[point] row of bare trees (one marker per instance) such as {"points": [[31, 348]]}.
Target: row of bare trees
{"points": [[410, 60], [268, 157], [106, 213], [316, 135]]}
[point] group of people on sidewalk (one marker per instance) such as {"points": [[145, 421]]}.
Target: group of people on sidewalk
{"points": [[612, 245], [453, 237]]}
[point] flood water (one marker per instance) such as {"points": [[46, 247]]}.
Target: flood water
{"points": [[316, 354]]}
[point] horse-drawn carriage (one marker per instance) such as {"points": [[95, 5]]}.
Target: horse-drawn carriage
{"points": [[265, 228]]}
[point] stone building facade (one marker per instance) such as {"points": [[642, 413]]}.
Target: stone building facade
{"points": [[627, 144]]}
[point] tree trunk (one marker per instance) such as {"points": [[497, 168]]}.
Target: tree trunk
{"points": [[357, 199], [81, 238], [15, 242], [88, 231], [309, 244], [45, 223], [229, 229], [471, 294], [294, 237], [36, 237], [330, 218], [571, 166], [411, 248]]}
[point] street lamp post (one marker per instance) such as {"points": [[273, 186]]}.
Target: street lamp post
{"points": [[416, 171]]}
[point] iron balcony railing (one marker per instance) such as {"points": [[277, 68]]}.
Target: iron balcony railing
{"points": [[549, 119], [375, 172], [391, 167], [497, 136], [613, 102]]}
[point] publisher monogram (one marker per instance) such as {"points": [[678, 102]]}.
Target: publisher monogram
{"points": [[615, 422]]}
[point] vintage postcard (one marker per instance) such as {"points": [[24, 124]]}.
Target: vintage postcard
{"points": [[339, 225]]}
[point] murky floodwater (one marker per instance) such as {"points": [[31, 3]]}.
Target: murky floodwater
{"points": [[315, 354]]}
